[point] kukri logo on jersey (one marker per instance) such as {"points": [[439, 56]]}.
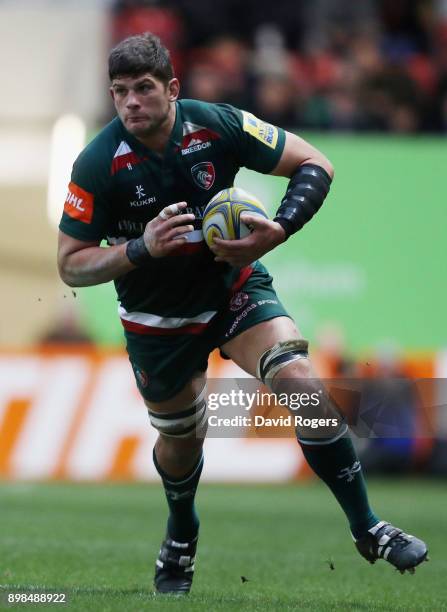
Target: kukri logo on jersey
{"points": [[196, 138], [204, 175]]}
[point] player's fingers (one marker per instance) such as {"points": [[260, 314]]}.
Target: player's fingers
{"points": [[175, 244], [179, 231], [179, 220], [253, 221], [221, 243], [228, 247], [170, 211], [245, 217], [213, 245], [219, 252]]}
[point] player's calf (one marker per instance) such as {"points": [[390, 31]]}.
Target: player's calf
{"points": [[334, 460], [174, 568], [326, 447], [178, 459]]}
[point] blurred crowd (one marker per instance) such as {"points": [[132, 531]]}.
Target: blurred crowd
{"points": [[373, 65]]}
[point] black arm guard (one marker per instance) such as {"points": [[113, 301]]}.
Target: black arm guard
{"points": [[305, 194], [137, 252]]}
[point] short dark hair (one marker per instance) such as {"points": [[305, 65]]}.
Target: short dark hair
{"points": [[139, 54]]}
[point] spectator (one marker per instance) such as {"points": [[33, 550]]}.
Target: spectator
{"points": [[371, 65]]}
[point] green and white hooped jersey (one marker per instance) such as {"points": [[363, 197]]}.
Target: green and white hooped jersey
{"points": [[118, 185]]}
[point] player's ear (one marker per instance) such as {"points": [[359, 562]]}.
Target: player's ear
{"points": [[112, 93], [173, 89]]}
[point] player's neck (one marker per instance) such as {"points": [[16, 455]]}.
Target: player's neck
{"points": [[157, 142]]}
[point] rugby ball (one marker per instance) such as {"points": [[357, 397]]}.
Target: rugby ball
{"points": [[222, 215]]}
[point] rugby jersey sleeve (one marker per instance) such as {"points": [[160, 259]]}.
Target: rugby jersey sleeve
{"points": [[257, 145], [85, 214]]}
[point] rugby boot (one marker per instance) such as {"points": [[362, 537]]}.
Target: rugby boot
{"points": [[174, 568], [383, 541]]}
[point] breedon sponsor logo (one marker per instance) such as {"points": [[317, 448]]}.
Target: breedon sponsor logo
{"points": [[196, 138]]}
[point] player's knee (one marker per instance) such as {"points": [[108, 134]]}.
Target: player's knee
{"points": [[297, 370], [290, 354], [178, 455], [187, 423], [287, 369]]}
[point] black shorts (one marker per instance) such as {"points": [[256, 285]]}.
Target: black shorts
{"points": [[163, 365]]}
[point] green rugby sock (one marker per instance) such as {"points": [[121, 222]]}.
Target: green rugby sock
{"points": [[338, 466], [183, 522]]}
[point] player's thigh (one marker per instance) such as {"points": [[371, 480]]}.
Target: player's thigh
{"points": [[247, 347], [254, 321], [183, 399], [169, 371]]}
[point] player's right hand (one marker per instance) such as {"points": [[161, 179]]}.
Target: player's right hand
{"points": [[165, 233]]}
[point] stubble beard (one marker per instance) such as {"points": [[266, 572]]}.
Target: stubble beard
{"points": [[152, 126]]}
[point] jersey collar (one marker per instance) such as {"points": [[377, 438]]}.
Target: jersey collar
{"points": [[177, 131]]}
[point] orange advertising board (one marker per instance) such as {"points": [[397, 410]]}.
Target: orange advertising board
{"points": [[77, 415]]}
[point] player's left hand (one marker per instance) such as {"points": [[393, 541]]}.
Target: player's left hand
{"points": [[265, 235]]}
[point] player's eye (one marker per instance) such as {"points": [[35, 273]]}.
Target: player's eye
{"points": [[120, 91], [144, 89]]}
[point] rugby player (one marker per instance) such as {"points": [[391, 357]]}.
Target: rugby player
{"points": [[142, 185]]}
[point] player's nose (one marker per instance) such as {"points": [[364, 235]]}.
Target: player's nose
{"points": [[132, 100]]}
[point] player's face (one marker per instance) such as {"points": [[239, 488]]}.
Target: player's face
{"points": [[143, 103]]}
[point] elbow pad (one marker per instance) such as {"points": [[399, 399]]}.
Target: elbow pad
{"points": [[305, 194]]}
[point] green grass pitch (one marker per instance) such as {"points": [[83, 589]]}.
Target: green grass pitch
{"points": [[98, 543]]}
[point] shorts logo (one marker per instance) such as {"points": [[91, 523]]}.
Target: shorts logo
{"points": [[141, 376], [265, 132], [238, 301], [240, 317], [204, 175], [79, 203]]}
